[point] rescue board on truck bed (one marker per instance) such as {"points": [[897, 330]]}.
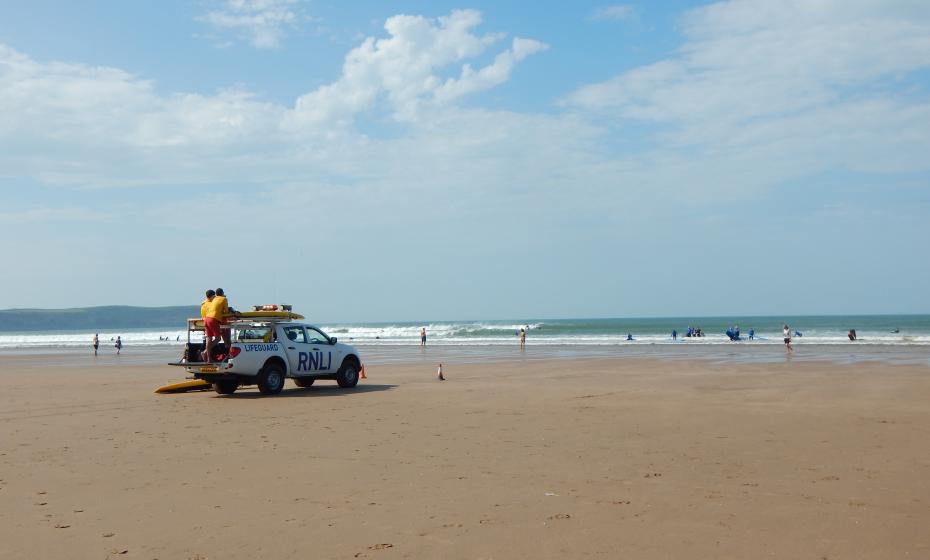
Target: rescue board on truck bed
{"points": [[196, 323]]}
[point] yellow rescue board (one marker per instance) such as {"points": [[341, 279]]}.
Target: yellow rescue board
{"points": [[197, 324], [270, 314], [184, 386]]}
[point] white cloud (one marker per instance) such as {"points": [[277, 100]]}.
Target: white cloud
{"points": [[264, 23], [748, 59], [77, 124], [44, 216], [782, 88], [491, 75], [406, 67], [615, 12], [751, 97]]}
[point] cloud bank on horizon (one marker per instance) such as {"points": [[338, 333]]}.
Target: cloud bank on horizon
{"points": [[822, 102]]}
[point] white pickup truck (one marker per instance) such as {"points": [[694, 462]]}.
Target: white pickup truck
{"points": [[266, 351]]}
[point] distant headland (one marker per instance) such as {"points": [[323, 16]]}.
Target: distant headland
{"points": [[95, 318]]}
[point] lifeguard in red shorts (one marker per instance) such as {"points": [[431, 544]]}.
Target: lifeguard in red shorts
{"points": [[211, 326], [223, 314]]}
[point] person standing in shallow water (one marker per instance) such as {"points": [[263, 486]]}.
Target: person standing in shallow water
{"points": [[119, 345], [787, 332], [422, 336], [96, 343], [522, 338]]}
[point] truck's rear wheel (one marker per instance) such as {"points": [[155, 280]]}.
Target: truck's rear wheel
{"points": [[304, 381], [347, 377], [270, 379], [226, 386]]}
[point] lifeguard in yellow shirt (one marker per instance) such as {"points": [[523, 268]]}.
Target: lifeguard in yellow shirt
{"points": [[223, 314], [211, 327]]}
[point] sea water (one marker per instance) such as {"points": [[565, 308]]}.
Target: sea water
{"points": [[885, 330]]}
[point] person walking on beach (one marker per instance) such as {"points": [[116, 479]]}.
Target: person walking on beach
{"points": [[522, 338], [96, 343], [119, 345], [422, 336], [787, 333]]}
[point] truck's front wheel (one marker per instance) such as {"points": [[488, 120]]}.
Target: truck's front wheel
{"points": [[348, 375], [271, 379]]}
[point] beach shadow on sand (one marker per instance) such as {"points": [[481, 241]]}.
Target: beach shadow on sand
{"points": [[314, 391]]}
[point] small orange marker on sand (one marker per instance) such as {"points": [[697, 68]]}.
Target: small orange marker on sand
{"points": [[441, 378], [362, 376]]}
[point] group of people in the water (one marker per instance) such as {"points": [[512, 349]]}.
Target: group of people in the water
{"points": [[733, 333], [694, 331]]}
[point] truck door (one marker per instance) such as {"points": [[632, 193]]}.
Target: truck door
{"points": [[329, 352], [305, 356], [297, 349]]}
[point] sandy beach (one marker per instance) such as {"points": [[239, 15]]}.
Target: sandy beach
{"points": [[603, 458]]}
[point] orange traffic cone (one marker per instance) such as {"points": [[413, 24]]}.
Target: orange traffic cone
{"points": [[362, 373], [441, 378]]}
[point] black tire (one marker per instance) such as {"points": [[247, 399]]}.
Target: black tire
{"points": [[271, 379], [304, 381], [347, 377], [226, 386]]}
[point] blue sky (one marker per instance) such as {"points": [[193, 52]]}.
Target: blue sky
{"points": [[431, 160]]}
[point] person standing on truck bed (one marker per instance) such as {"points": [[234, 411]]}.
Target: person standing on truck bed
{"points": [[211, 327], [223, 314]]}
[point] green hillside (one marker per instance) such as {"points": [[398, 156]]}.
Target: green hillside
{"points": [[96, 318]]}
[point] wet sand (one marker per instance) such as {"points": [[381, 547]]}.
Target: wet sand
{"points": [[609, 458]]}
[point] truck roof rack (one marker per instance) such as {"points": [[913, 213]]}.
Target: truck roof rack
{"points": [[196, 323]]}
